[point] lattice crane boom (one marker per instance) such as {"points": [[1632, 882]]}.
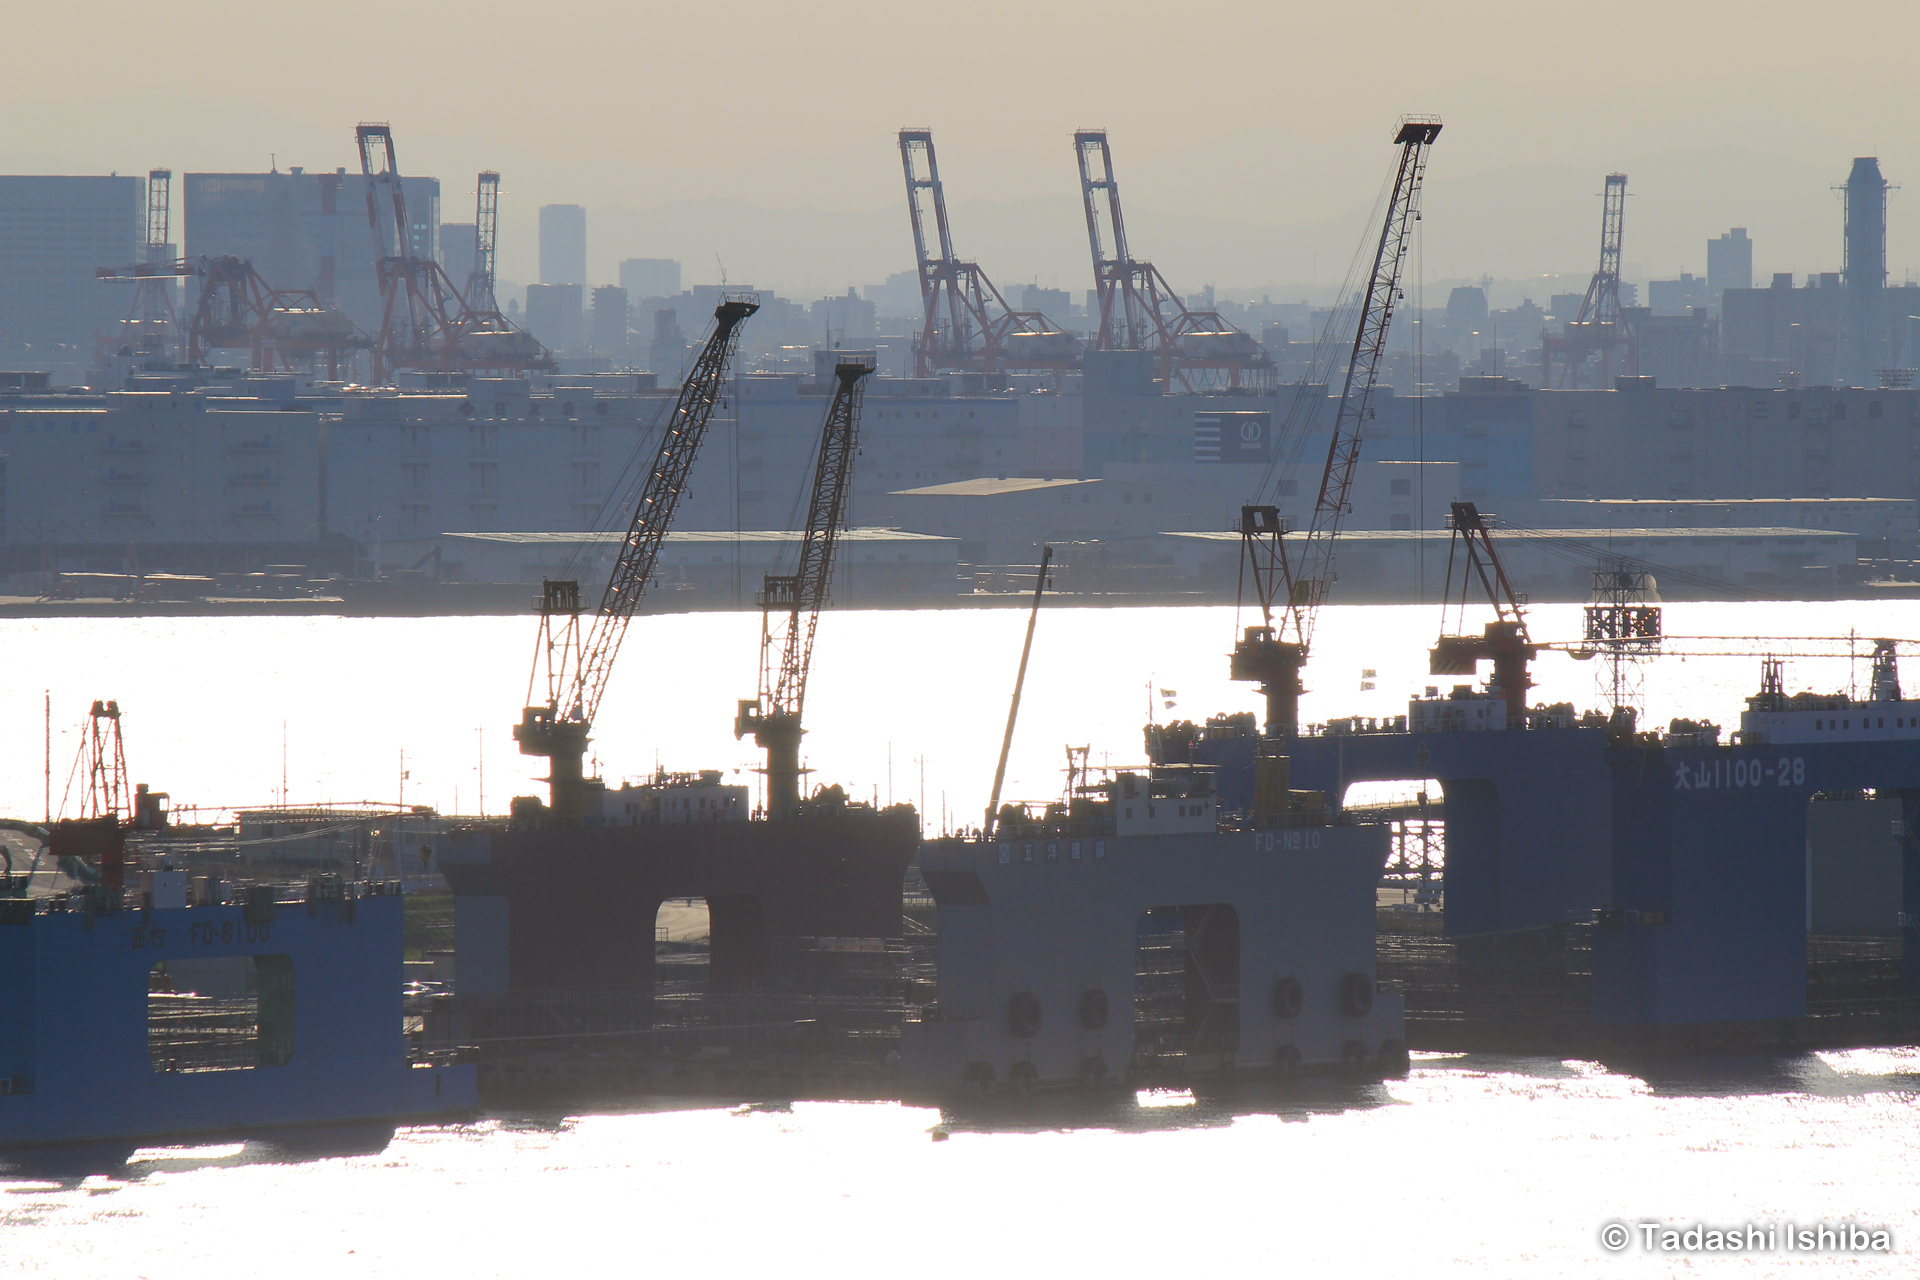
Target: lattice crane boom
{"points": [[481, 337], [159, 213], [486, 231], [1602, 303], [774, 717], [1600, 328], [1363, 373], [578, 659], [1504, 641], [1298, 582]]}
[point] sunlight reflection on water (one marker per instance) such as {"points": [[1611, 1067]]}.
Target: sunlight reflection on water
{"points": [[1473, 1165], [904, 706]]}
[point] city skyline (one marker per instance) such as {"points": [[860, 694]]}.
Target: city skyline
{"points": [[1235, 131]]}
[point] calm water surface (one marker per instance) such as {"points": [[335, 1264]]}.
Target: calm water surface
{"points": [[1473, 1166], [904, 706]]}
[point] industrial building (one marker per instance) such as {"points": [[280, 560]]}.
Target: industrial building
{"points": [[186, 481], [1717, 405], [258, 471]]}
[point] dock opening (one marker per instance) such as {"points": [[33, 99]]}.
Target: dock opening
{"points": [[228, 1013], [682, 947], [1187, 980], [1414, 810]]}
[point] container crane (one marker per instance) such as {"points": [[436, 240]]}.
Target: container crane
{"points": [[280, 328], [1298, 583], [577, 659], [152, 326], [486, 231], [237, 308], [773, 718], [1139, 310], [484, 337], [419, 306], [1600, 329], [966, 323]]}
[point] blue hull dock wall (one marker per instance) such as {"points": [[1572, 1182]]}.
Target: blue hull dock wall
{"points": [[75, 1059], [1691, 863]]}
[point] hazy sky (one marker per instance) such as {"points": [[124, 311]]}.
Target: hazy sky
{"points": [[1256, 113]]}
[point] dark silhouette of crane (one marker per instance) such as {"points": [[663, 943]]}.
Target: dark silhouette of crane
{"points": [[1599, 335], [966, 324], [577, 660], [1139, 310], [1504, 641], [773, 718], [1298, 582]]}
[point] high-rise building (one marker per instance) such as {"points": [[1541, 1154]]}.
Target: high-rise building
{"points": [[1729, 263], [553, 315], [609, 319], [1678, 297], [667, 353], [644, 278], [563, 244], [456, 252], [54, 232], [1866, 270], [847, 322], [1055, 304], [305, 230]]}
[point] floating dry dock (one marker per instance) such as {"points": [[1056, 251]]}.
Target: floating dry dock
{"points": [[180, 1020], [1668, 877]]}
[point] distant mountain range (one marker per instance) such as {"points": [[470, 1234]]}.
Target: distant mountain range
{"points": [[1516, 225]]}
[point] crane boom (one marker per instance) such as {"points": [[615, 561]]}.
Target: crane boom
{"points": [[1273, 656], [578, 664], [1504, 640], [481, 338], [774, 718], [486, 225], [1139, 310], [1600, 327]]}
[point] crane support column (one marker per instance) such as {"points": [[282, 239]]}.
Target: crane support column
{"points": [[773, 718], [579, 658]]}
